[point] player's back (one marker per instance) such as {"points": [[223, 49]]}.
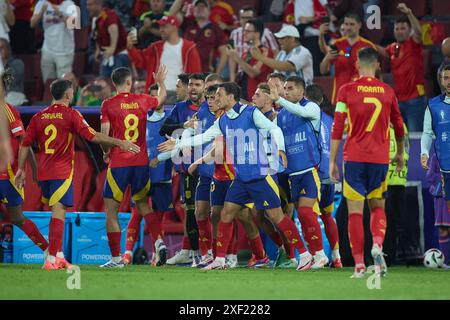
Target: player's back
{"points": [[370, 103], [127, 115]]}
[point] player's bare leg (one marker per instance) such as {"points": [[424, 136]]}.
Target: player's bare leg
{"points": [[311, 230], [356, 235], [55, 258], [113, 231], [154, 223], [27, 226], [224, 234], [288, 228], [259, 256], [378, 230], [202, 212]]}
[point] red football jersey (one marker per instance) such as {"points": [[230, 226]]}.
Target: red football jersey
{"points": [[223, 167], [369, 104], [127, 114], [16, 128], [53, 129]]}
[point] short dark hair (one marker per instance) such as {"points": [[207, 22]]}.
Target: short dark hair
{"points": [[297, 80], [258, 25], [120, 75], [59, 87], [353, 15], [264, 87], [214, 77], [403, 20], [197, 76], [184, 78], [212, 89], [446, 68], [248, 8], [278, 75], [368, 55], [153, 87], [314, 93], [232, 88]]}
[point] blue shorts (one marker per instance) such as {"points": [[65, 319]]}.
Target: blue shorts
{"points": [[264, 193], [118, 179], [219, 191], [203, 190], [363, 180], [446, 180], [305, 185], [285, 189], [54, 191], [161, 194], [10, 196], [326, 203]]}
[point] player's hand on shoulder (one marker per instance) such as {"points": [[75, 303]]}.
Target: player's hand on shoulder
{"points": [[424, 161]]}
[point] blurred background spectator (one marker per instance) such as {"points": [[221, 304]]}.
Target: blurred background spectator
{"points": [[445, 49], [21, 34], [110, 36], [148, 23], [15, 66], [7, 18], [153, 90], [222, 13], [139, 85], [75, 85], [58, 49], [94, 93]]}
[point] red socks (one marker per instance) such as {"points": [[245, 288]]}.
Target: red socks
{"points": [[33, 233], [257, 248], [133, 229], [204, 234], [275, 237], [331, 230], [378, 225], [356, 236], [55, 236], [290, 231], [186, 243], [224, 234], [114, 243], [154, 222], [214, 247], [233, 246], [311, 229]]}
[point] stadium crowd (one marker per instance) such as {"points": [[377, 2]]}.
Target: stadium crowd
{"points": [[199, 57]]}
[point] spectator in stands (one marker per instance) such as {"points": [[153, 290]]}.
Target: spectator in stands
{"points": [[21, 34], [139, 8], [181, 88], [445, 48], [15, 66], [209, 38], [110, 36], [237, 38], [293, 59], [327, 38], [344, 58], [253, 71], [75, 85], [309, 15], [178, 53], [123, 10], [148, 23], [7, 18], [342, 7], [223, 15], [139, 86], [153, 90], [406, 56], [94, 93], [58, 49]]}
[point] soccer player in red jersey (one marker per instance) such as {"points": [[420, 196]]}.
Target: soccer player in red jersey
{"points": [[369, 105], [10, 195], [5, 146], [53, 129], [125, 117]]}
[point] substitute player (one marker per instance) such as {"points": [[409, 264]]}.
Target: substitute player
{"points": [[252, 183], [53, 129], [125, 115], [10, 195], [369, 105], [436, 123]]}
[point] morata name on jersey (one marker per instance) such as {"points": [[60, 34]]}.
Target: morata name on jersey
{"points": [[370, 89]]}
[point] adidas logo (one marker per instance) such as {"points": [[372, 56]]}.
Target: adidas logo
{"points": [[294, 241], [266, 204], [303, 191], [314, 238]]}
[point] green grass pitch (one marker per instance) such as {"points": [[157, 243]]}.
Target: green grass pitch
{"points": [[165, 283]]}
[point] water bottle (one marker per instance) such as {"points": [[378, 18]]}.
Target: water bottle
{"points": [[7, 243]]}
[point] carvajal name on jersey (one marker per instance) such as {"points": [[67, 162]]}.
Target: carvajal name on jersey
{"points": [[51, 116]]}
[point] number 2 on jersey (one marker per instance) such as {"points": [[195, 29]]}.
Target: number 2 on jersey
{"points": [[376, 113], [131, 122], [52, 131]]}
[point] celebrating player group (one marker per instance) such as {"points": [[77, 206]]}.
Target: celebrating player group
{"points": [[243, 162]]}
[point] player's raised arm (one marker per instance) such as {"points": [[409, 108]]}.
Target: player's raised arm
{"points": [[160, 77]]}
